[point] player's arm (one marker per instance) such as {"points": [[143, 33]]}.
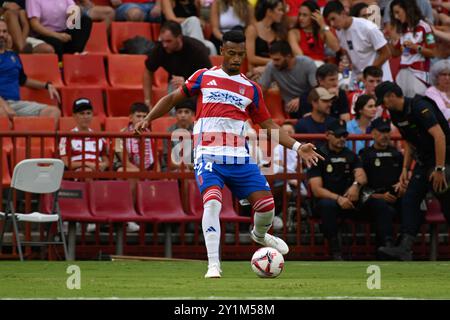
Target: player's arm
{"points": [[306, 151]]}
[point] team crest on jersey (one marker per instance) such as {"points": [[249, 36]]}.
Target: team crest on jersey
{"points": [[242, 90]]}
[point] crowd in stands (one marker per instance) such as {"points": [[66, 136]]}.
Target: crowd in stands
{"points": [[322, 60]]}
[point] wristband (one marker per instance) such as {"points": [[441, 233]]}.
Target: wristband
{"points": [[297, 145], [47, 84]]}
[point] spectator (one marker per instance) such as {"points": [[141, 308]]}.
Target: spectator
{"points": [[83, 113], [270, 26], [172, 53], [416, 46], [365, 110], [56, 24], [138, 111], [441, 10], [360, 10], [185, 113], [137, 10], [316, 122], [185, 12], [227, 15], [12, 77], [372, 76], [335, 183], [424, 7], [295, 75], [312, 34], [440, 91], [97, 13], [293, 7], [383, 166], [13, 12], [361, 39], [327, 77], [373, 12]]}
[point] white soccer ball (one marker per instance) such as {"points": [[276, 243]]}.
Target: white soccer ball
{"points": [[267, 262]]}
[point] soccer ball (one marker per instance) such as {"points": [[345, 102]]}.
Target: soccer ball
{"points": [[267, 262]]}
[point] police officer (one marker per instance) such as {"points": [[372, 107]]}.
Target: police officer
{"points": [[383, 166], [336, 183], [427, 134]]}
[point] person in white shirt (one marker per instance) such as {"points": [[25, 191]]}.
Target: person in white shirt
{"points": [[361, 39]]}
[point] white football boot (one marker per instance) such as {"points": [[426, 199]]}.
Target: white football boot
{"points": [[271, 241], [214, 271]]}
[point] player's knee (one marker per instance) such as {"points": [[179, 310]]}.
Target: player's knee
{"points": [[264, 204]]}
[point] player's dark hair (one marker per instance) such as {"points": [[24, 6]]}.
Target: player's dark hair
{"points": [[333, 7], [235, 36], [361, 102], [413, 15], [325, 70], [372, 71], [138, 107], [281, 47], [173, 27], [356, 9]]}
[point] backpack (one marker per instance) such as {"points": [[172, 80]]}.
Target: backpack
{"points": [[137, 45]]}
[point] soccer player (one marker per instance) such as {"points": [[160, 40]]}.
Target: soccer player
{"points": [[226, 99]]}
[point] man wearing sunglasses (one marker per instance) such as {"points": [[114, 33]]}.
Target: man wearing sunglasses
{"points": [[336, 184]]}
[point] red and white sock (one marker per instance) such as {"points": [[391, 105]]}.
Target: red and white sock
{"points": [[264, 212], [212, 205]]}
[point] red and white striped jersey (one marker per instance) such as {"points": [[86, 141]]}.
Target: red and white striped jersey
{"points": [[224, 104], [76, 147]]}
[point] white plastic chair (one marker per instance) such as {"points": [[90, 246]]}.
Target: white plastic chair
{"points": [[35, 176]]}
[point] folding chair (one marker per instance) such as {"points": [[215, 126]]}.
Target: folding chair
{"points": [[35, 176]]}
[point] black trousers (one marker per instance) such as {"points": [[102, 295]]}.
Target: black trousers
{"points": [[417, 189], [377, 210], [78, 42]]}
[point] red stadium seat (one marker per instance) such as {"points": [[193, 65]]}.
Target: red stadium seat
{"points": [[160, 78], [84, 71], [98, 40], [126, 71], [274, 104], [161, 125], [6, 142], [102, 2], [115, 124], [228, 214], [68, 123], [157, 94], [34, 124], [95, 95], [112, 200], [156, 28], [20, 153], [119, 101], [216, 60], [6, 175], [434, 217], [152, 206], [41, 96], [42, 67], [121, 31]]}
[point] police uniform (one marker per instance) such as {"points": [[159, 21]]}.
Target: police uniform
{"points": [[419, 114], [337, 173]]}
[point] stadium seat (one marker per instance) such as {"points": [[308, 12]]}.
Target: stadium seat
{"points": [[115, 124], [157, 94], [33, 124], [95, 95], [228, 214], [6, 175], [151, 205], [156, 28], [126, 71], [68, 123], [274, 104], [434, 217], [216, 60], [160, 78], [84, 71], [119, 101], [41, 96], [161, 125], [98, 40], [121, 31], [6, 142], [42, 67], [102, 2]]}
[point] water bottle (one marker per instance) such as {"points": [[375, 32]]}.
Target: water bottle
{"points": [[346, 64], [406, 50]]}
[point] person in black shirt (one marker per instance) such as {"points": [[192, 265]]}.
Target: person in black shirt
{"points": [[327, 77], [336, 183], [179, 55], [427, 134], [382, 163]]}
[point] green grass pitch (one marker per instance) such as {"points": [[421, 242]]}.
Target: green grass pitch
{"points": [[184, 279]]}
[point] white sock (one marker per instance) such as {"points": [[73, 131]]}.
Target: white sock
{"points": [[211, 229], [263, 222]]}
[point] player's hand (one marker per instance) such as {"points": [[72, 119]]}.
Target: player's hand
{"points": [[345, 203], [141, 126], [439, 181], [308, 153]]}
